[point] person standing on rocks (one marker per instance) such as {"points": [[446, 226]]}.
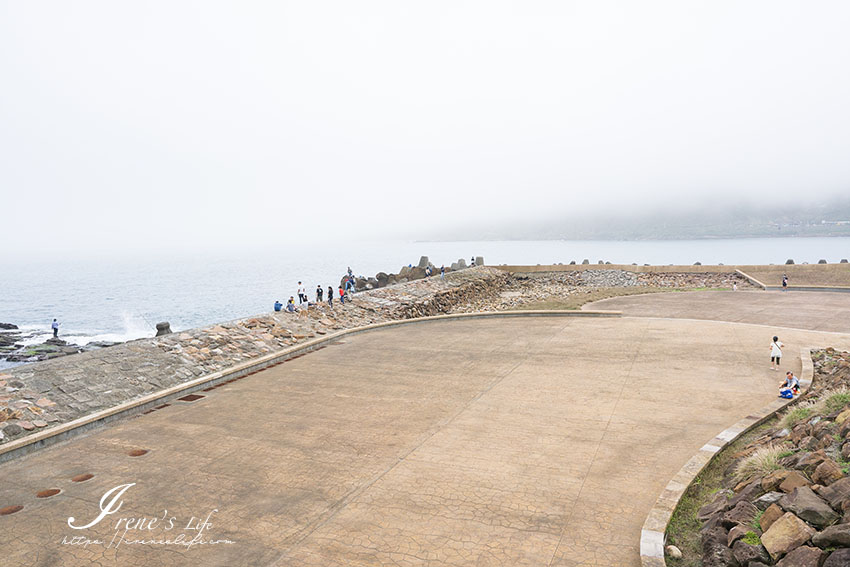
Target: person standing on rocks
{"points": [[302, 293], [319, 293], [443, 272], [775, 353], [55, 327], [330, 296], [341, 295]]}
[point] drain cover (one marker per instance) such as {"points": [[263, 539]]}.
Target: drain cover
{"points": [[191, 398]]}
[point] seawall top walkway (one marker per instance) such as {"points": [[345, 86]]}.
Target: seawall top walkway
{"points": [[522, 441], [817, 311]]}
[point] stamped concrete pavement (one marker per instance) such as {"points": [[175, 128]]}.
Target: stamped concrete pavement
{"points": [[522, 441], [813, 310]]}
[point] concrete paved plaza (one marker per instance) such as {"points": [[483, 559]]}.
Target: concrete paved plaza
{"points": [[520, 441], [821, 311]]}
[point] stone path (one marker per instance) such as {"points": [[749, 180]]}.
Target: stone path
{"points": [[522, 441]]}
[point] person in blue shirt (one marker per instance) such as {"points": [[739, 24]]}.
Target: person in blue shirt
{"points": [[278, 305], [55, 327], [290, 305]]}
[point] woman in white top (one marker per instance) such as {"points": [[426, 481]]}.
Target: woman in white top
{"points": [[775, 353]]}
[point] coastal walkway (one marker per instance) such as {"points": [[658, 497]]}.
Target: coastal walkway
{"points": [[517, 441], [819, 311]]}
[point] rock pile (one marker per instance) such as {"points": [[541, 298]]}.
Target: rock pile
{"points": [[786, 499], [407, 274]]}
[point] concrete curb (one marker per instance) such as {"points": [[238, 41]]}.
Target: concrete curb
{"points": [[130, 408], [653, 533], [751, 279]]}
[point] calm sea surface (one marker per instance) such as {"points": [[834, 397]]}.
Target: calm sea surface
{"points": [[122, 299]]}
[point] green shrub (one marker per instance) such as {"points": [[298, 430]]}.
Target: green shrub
{"points": [[752, 538]]}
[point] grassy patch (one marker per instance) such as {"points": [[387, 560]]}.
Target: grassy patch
{"points": [[683, 531], [836, 400], [763, 461], [797, 415], [752, 538]]}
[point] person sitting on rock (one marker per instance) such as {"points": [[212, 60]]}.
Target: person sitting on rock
{"points": [[792, 384], [290, 305], [278, 305]]}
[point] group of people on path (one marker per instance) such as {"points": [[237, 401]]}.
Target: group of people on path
{"points": [[304, 302]]}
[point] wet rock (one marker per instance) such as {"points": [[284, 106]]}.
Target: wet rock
{"points": [[163, 328], [8, 326]]}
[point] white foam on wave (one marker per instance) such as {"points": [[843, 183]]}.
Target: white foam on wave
{"points": [[134, 327]]}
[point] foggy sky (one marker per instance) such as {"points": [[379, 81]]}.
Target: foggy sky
{"points": [[131, 125]]}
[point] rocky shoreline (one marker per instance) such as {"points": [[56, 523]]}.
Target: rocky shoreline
{"points": [[14, 347]]}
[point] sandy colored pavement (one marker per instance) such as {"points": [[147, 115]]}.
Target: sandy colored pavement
{"points": [[821, 311], [523, 441]]}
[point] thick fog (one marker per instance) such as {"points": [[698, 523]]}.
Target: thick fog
{"points": [[155, 125]]}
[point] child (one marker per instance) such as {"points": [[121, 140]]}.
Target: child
{"points": [[775, 353]]}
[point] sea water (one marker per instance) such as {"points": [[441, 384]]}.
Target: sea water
{"points": [[118, 299]]}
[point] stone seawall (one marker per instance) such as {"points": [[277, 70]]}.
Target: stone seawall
{"points": [[34, 396]]}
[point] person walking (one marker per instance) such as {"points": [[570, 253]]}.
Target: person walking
{"points": [[784, 282], [319, 293], [775, 353], [341, 295], [55, 327], [330, 296]]}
